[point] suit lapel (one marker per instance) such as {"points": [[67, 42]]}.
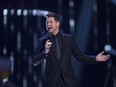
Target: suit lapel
{"points": [[53, 48], [63, 42]]}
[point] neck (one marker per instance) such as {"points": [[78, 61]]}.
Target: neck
{"points": [[55, 32]]}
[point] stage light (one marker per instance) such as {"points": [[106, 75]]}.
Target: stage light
{"points": [[71, 3], [12, 11], [4, 50], [42, 13], [19, 12], [34, 12], [25, 12], [108, 48], [5, 12], [18, 41], [72, 23]]}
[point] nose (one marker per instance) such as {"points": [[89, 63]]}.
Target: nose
{"points": [[48, 24]]}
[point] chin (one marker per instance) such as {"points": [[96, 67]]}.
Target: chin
{"points": [[50, 31]]}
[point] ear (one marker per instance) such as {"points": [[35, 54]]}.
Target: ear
{"points": [[58, 23]]}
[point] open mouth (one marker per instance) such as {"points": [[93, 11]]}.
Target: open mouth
{"points": [[49, 28]]}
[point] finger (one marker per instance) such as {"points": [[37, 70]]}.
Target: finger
{"points": [[108, 55], [106, 58], [102, 52], [49, 46], [48, 41]]}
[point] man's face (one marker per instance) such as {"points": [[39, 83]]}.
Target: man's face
{"points": [[52, 26]]}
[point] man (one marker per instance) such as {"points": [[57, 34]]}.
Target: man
{"points": [[59, 71]]}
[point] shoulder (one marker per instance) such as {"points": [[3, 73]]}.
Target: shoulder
{"points": [[66, 35], [43, 38]]}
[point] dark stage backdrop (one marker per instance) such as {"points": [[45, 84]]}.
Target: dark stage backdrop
{"points": [[91, 22]]}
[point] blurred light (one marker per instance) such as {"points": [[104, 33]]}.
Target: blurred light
{"points": [[5, 12], [110, 50], [5, 20], [24, 81], [114, 1], [4, 51], [12, 11], [19, 12], [12, 28], [95, 8], [42, 13], [72, 23], [35, 78], [34, 12], [25, 12], [19, 41], [107, 47], [12, 62], [5, 80], [71, 4]]}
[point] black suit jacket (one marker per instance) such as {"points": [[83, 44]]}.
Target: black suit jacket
{"points": [[60, 73]]}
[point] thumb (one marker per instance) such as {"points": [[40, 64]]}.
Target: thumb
{"points": [[101, 53]]}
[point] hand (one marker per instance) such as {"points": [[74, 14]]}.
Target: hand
{"points": [[48, 44], [101, 57]]}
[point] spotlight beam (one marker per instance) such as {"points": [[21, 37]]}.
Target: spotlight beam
{"points": [[108, 48]]}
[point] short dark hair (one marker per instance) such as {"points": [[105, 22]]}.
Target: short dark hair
{"points": [[54, 15]]}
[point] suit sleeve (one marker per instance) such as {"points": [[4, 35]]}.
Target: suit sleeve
{"points": [[80, 56], [39, 54]]}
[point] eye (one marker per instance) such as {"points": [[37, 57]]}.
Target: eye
{"points": [[51, 21]]}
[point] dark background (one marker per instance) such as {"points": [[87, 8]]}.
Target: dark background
{"points": [[91, 22]]}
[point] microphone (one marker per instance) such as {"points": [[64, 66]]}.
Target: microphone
{"points": [[49, 36], [48, 43]]}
